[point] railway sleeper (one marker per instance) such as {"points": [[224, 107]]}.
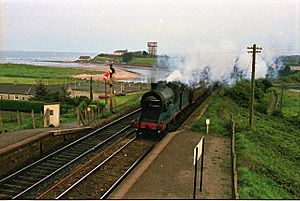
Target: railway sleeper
{"points": [[13, 186], [4, 196], [47, 168], [29, 179], [22, 182], [7, 192], [37, 175]]}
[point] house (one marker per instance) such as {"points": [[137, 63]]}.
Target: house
{"points": [[296, 68], [120, 52], [84, 59], [13, 91]]}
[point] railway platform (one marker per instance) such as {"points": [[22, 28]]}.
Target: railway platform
{"points": [[14, 137], [167, 172]]}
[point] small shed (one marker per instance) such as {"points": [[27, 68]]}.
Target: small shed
{"points": [[51, 114]]}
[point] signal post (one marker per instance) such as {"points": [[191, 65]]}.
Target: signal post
{"points": [[111, 72]]}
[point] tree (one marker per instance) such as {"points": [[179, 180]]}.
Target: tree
{"points": [[127, 57], [41, 93], [145, 54]]}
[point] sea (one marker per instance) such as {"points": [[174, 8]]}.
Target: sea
{"points": [[66, 59]]}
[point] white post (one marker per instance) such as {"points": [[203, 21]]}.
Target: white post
{"points": [[207, 125]]}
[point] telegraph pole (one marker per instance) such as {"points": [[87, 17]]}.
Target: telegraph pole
{"points": [[91, 89], [253, 50], [111, 72]]}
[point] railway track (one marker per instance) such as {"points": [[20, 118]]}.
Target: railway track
{"points": [[36, 177], [88, 168], [97, 178]]}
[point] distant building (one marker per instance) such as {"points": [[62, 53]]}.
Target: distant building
{"points": [[84, 59], [152, 48], [120, 52], [297, 68]]}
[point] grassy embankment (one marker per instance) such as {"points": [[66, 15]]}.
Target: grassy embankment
{"points": [[30, 74], [268, 157]]}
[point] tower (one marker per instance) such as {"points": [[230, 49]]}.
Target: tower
{"points": [[152, 49]]}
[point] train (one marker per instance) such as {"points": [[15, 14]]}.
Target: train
{"points": [[161, 106]]}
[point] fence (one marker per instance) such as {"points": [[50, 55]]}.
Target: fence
{"points": [[10, 119], [234, 174]]}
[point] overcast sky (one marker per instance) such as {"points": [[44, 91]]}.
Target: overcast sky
{"points": [[179, 26]]}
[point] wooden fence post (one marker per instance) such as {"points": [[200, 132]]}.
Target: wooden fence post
{"points": [[78, 117], [18, 118], [233, 156], [42, 119], [1, 123], [33, 118], [92, 113]]}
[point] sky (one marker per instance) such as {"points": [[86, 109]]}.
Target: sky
{"points": [[179, 26]]}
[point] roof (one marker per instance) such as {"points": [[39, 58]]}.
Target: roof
{"points": [[11, 88], [27, 89], [85, 57], [120, 51]]}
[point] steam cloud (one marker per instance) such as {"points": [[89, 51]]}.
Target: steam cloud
{"points": [[224, 64]]}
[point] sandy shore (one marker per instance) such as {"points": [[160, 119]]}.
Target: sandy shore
{"points": [[119, 75]]}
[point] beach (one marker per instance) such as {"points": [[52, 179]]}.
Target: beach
{"points": [[120, 74]]}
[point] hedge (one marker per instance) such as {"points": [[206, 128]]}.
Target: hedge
{"points": [[21, 106]]}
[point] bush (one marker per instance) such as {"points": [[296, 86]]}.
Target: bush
{"points": [[21, 106]]}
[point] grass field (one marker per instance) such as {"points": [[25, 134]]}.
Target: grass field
{"points": [[268, 158], [30, 74], [142, 61]]}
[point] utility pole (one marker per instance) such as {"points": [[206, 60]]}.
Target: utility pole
{"points": [[91, 89], [253, 50], [111, 72], [105, 91]]}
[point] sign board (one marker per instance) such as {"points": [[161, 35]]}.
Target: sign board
{"points": [[207, 121], [199, 146]]}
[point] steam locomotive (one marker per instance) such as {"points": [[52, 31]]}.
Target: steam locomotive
{"points": [[161, 106]]}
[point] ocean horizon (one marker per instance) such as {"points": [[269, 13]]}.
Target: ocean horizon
{"points": [[43, 58]]}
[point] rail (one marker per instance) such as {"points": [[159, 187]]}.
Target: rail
{"points": [[88, 146]]}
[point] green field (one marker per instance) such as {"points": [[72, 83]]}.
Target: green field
{"points": [[142, 61], [30, 74], [267, 158]]}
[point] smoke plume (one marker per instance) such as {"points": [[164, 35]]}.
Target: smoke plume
{"points": [[225, 63]]}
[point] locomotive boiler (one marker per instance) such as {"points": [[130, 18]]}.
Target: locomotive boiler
{"points": [[161, 106]]}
